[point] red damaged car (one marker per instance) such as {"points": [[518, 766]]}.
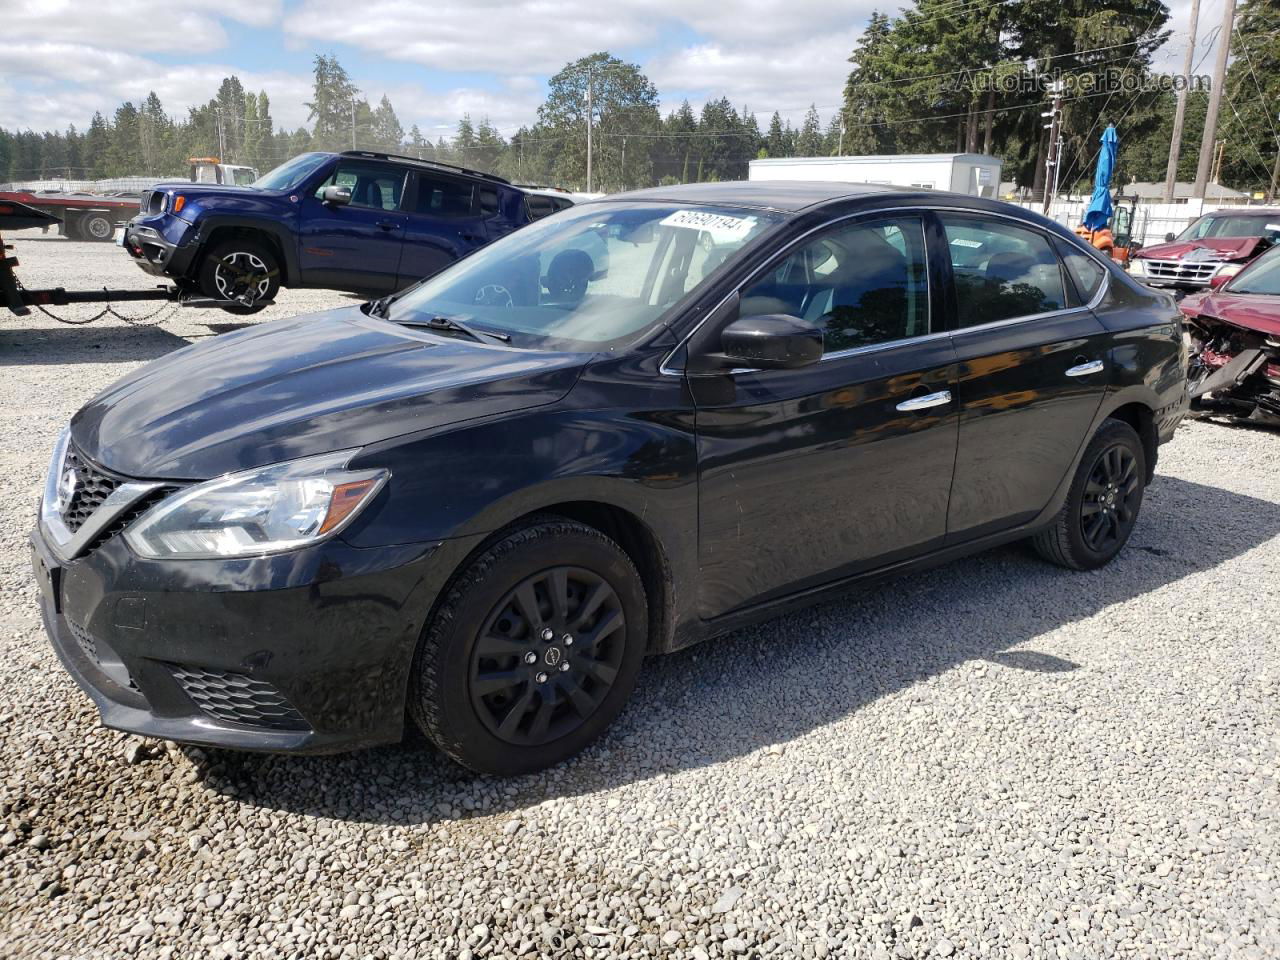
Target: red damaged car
{"points": [[1219, 244], [1235, 344]]}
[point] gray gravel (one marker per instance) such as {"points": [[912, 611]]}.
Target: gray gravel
{"points": [[996, 758]]}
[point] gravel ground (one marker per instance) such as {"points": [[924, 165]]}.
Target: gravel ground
{"points": [[996, 758]]}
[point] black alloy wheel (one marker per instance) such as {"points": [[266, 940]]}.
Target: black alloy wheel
{"points": [[533, 648], [547, 656], [1108, 508], [1102, 503]]}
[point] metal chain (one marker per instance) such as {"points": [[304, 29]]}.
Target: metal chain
{"points": [[165, 308]]}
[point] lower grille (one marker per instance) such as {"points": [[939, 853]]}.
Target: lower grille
{"points": [[86, 642], [237, 698], [101, 655]]}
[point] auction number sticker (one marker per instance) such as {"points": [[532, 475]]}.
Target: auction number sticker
{"points": [[971, 244], [729, 228]]}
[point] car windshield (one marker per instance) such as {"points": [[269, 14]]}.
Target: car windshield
{"points": [[1234, 225], [588, 278], [1260, 277], [291, 172]]}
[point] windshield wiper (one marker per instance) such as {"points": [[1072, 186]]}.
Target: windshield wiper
{"points": [[456, 325]]}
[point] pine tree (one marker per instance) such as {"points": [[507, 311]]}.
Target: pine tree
{"points": [[331, 105]]}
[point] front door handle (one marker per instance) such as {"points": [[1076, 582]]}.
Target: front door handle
{"points": [[1084, 369], [925, 402], [387, 224]]}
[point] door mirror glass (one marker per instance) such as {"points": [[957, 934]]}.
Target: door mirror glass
{"points": [[338, 196], [773, 341]]}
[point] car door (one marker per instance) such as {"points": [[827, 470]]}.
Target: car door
{"points": [[354, 246], [444, 224], [1032, 370], [810, 474]]}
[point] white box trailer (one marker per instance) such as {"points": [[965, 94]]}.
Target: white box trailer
{"points": [[973, 173]]}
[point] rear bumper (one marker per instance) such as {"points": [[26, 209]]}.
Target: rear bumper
{"points": [[155, 254], [314, 658]]}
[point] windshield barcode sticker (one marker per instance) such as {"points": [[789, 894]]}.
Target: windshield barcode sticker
{"points": [[728, 228], [972, 244]]}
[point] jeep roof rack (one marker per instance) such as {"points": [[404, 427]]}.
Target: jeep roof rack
{"points": [[419, 162]]}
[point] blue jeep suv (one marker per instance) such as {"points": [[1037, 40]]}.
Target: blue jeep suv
{"points": [[368, 223]]}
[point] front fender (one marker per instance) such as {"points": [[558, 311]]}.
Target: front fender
{"points": [[284, 234]]}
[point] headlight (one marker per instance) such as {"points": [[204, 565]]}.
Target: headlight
{"points": [[264, 510], [1137, 267], [1228, 270]]}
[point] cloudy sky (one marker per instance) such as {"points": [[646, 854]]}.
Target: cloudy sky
{"points": [[64, 59]]}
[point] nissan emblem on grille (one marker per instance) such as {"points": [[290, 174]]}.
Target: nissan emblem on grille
{"points": [[66, 489]]}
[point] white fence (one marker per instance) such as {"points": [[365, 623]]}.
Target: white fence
{"points": [[1152, 221], [130, 185]]}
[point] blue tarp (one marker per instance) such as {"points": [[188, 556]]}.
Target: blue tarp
{"points": [[1098, 213]]}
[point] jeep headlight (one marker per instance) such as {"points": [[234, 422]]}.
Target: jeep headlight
{"points": [[265, 510]]}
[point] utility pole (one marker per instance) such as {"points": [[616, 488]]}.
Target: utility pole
{"points": [[1275, 171], [1215, 99], [1053, 155], [1180, 114], [353, 123], [624, 163], [840, 149], [589, 130]]}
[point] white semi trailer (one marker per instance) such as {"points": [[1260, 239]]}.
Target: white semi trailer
{"points": [[975, 174]]}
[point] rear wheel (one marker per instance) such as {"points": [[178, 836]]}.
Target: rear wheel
{"points": [[1103, 503], [533, 651], [244, 273], [97, 227]]}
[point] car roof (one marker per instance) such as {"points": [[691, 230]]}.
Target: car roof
{"points": [[790, 196], [1243, 212]]}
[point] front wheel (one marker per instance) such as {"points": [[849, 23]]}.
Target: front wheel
{"points": [[533, 651], [1102, 505], [243, 273]]}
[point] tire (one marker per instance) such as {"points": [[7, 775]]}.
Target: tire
{"points": [[240, 267], [489, 687], [1109, 484], [97, 227]]}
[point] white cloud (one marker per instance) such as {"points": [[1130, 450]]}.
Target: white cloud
{"points": [[137, 25], [784, 77], [92, 78]]}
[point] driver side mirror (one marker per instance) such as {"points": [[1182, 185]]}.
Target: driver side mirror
{"points": [[337, 196], [1169, 238], [771, 341]]}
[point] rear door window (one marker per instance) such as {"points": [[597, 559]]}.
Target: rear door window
{"points": [[444, 197], [1086, 272], [1001, 271], [539, 206]]}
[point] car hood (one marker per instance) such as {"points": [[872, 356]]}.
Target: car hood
{"points": [[1214, 248], [298, 387], [192, 189], [1250, 311]]}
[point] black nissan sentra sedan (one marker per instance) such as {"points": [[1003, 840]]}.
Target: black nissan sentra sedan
{"points": [[478, 504]]}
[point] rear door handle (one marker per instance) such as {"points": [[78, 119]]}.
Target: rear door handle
{"points": [[925, 402], [1084, 369]]}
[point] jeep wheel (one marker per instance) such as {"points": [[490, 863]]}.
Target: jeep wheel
{"points": [[97, 227], [244, 273]]}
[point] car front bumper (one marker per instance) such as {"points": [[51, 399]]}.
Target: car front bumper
{"points": [[155, 253], [306, 652]]}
